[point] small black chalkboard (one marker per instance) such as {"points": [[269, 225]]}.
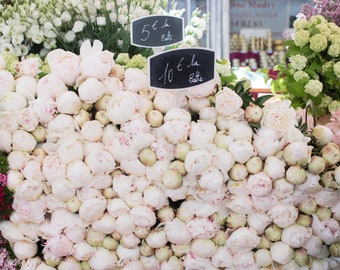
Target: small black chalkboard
{"points": [[181, 68], [156, 31]]}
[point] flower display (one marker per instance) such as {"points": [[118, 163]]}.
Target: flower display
{"points": [[106, 171], [37, 27], [311, 71]]}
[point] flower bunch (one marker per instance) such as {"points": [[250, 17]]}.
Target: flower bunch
{"points": [[330, 9], [28, 27], [313, 68], [107, 171]]}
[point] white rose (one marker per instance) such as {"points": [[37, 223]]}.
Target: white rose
{"points": [[91, 90], [135, 80], [64, 64], [50, 86], [227, 102], [283, 215], [279, 116]]}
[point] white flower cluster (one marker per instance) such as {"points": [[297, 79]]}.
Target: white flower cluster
{"points": [[40, 26], [108, 173]]}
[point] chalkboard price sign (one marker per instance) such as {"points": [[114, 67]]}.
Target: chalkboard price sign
{"points": [[156, 31], [181, 68]]}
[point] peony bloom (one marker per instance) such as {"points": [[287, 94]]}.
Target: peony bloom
{"points": [[23, 141], [100, 162], [45, 108], [121, 107], [283, 215], [24, 249], [143, 216], [241, 150], [296, 235], [68, 102], [267, 142], [171, 229], [7, 82], [59, 246], [197, 161], [103, 259], [91, 90], [92, 208], [94, 62], [241, 204], [135, 80], [227, 102], [274, 167], [211, 179], [243, 240], [258, 221], [26, 86], [204, 248], [278, 116], [79, 174], [50, 86], [296, 153], [64, 64], [27, 119], [29, 67], [281, 252], [328, 230], [12, 101], [259, 184]]}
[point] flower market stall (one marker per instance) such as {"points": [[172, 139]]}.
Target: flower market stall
{"points": [[107, 172]]}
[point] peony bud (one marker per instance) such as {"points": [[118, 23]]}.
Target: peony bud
{"points": [[254, 165], [323, 213], [166, 213], [281, 252], [322, 135], [147, 156], [236, 220], [264, 243], [317, 165], [203, 247], [101, 117], [181, 150], [263, 257], [273, 233], [154, 118], [222, 139], [296, 175], [308, 206], [334, 249], [238, 172], [163, 253], [253, 113], [331, 153], [94, 238], [39, 134], [172, 179], [220, 238], [73, 204], [304, 220], [301, 257]]}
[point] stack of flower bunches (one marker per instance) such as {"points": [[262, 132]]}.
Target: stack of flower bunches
{"points": [[110, 174]]}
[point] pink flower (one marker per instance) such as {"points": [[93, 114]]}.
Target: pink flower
{"points": [[66, 65], [3, 179], [328, 230], [27, 119], [135, 80], [51, 86], [200, 227], [243, 239], [283, 215]]}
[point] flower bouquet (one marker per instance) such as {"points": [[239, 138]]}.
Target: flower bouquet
{"points": [[108, 173], [313, 68]]}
